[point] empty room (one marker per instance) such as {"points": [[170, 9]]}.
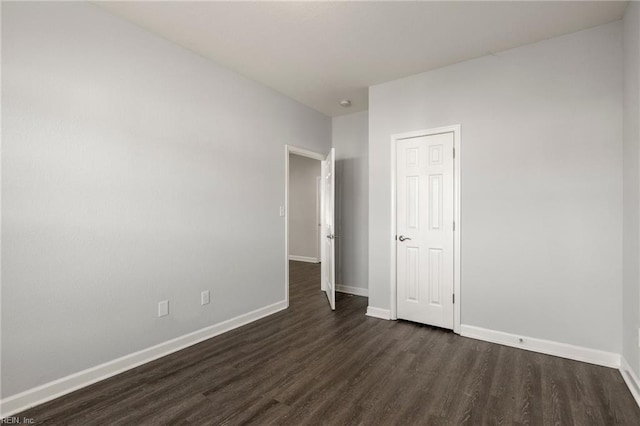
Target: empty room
{"points": [[320, 213]]}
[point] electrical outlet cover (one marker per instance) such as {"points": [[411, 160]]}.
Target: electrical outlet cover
{"points": [[163, 308], [205, 297]]}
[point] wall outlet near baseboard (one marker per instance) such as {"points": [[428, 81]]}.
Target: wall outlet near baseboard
{"points": [[205, 298], [163, 308]]}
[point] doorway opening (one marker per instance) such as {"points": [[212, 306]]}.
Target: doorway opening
{"points": [[309, 217]]}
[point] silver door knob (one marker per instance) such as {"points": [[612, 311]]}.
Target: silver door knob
{"points": [[331, 236], [402, 238]]}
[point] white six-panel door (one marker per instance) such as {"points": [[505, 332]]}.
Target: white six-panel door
{"points": [[424, 225]]}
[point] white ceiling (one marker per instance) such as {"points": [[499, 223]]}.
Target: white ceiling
{"points": [[321, 52]]}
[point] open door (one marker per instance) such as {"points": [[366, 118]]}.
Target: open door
{"points": [[328, 252]]}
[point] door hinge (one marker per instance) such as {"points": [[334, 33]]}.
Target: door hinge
{"points": [[454, 298], [454, 153], [396, 238], [454, 225]]}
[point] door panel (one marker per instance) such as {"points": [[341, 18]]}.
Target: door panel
{"points": [[425, 229], [328, 276]]}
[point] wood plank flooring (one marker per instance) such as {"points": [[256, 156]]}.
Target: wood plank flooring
{"points": [[311, 366]]}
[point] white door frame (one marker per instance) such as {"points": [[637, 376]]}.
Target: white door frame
{"points": [[289, 149], [318, 216], [456, 215]]}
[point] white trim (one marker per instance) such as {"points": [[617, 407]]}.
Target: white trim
{"points": [[38, 395], [286, 224], [384, 314], [290, 149], [319, 214], [564, 350], [457, 234], [393, 286], [630, 379], [357, 291], [305, 153], [304, 259]]}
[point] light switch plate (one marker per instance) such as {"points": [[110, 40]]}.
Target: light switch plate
{"points": [[163, 308], [281, 211], [205, 297]]}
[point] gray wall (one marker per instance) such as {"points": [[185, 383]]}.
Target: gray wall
{"points": [[541, 184], [631, 282], [132, 171], [350, 135], [303, 206]]}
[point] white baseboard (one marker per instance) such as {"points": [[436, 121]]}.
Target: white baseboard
{"points": [[357, 291], [630, 379], [378, 313], [38, 395], [304, 259], [564, 350]]}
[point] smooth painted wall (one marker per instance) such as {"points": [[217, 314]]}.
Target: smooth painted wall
{"points": [[133, 171], [350, 136], [541, 154], [303, 207], [631, 234]]}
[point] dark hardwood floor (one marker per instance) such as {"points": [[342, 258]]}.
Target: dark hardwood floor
{"points": [[308, 365]]}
